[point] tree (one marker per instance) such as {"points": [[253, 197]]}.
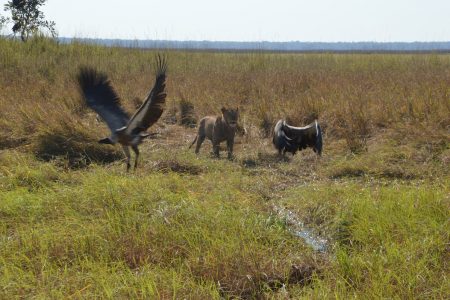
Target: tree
{"points": [[3, 22], [27, 18]]}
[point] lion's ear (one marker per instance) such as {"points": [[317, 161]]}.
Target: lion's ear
{"points": [[223, 109]]}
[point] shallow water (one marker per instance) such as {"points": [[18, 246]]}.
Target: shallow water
{"points": [[298, 228]]}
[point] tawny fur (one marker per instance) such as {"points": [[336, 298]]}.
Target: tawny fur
{"points": [[218, 129]]}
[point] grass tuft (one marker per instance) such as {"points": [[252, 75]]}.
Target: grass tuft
{"points": [[187, 113]]}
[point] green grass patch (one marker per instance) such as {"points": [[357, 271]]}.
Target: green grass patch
{"points": [[108, 229], [389, 241]]}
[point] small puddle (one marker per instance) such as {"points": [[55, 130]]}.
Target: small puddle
{"points": [[298, 228]]}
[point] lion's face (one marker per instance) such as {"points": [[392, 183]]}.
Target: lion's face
{"points": [[231, 116]]}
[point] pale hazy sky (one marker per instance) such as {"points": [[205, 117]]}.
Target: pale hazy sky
{"points": [[253, 20]]}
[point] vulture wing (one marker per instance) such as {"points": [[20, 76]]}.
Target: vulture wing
{"points": [[152, 108], [280, 140], [319, 142], [308, 136], [102, 98]]}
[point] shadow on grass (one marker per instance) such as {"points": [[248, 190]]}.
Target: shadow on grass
{"points": [[264, 159], [77, 150], [177, 167], [255, 287], [9, 142]]}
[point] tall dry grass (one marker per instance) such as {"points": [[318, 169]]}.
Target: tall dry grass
{"points": [[353, 95]]}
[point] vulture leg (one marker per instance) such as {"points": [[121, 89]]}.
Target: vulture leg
{"points": [[136, 151], [127, 154]]}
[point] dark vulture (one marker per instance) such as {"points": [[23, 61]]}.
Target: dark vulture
{"points": [[99, 95], [291, 139]]}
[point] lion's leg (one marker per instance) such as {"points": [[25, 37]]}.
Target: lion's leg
{"points": [[216, 150], [230, 143], [200, 140], [216, 147]]}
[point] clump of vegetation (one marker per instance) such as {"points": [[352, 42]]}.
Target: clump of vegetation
{"points": [[265, 121], [266, 124], [187, 113], [170, 114]]}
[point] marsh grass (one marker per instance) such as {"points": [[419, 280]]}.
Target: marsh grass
{"points": [[74, 224]]}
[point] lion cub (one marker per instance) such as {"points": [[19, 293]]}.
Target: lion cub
{"points": [[218, 129]]}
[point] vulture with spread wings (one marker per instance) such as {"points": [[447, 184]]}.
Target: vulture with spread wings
{"points": [[99, 95], [287, 138]]}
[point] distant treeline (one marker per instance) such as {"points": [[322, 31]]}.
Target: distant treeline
{"points": [[273, 46]]}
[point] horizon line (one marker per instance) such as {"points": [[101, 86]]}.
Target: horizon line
{"points": [[255, 41]]}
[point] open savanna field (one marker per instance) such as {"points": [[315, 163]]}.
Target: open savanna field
{"points": [[74, 224]]}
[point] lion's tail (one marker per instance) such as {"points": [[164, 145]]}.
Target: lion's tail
{"points": [[193, 142]]}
